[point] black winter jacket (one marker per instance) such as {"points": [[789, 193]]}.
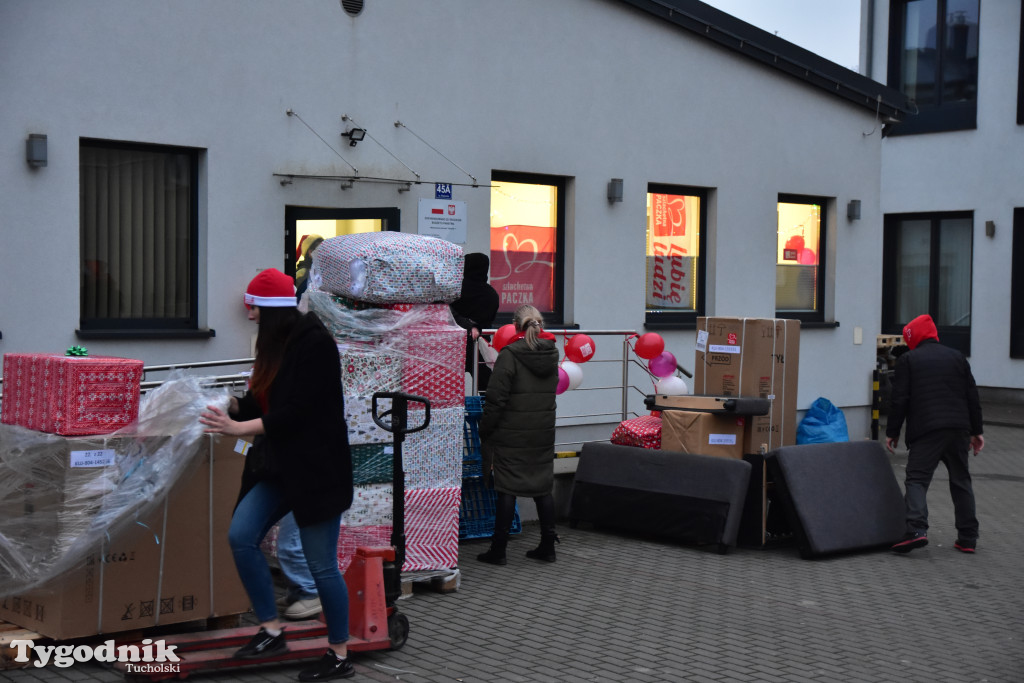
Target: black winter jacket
{"points": [[517, 429], [304, 449], [933, 388]]}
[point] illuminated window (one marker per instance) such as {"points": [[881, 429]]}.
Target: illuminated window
{"points": [[527, 234], [675, 254], [799, 269]]}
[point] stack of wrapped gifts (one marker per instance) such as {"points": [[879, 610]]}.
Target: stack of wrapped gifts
{"points": [[384, 296]]}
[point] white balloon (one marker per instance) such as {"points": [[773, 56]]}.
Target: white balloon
{"points": [[575, 373], [672, 386]]}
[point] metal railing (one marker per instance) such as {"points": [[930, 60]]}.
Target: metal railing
{"points": [[614, 397]]}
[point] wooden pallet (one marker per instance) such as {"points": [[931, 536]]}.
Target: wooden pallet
{"points": [[886, 341], [11, 632]]}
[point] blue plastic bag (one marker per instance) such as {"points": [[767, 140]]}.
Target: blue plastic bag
{"points": [[823, 423]]}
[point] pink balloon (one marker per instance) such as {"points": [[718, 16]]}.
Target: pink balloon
{"points": [[663, 365], [563, 381]]}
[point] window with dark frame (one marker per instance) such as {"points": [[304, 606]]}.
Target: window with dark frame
{"points": [[138, 239], [527, 244], [675, 249], [800, 258], [927, 268], [1017, 287], [933, 59], [1020, 70]]}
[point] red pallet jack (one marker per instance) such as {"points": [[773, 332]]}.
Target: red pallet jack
{"points": [[374, 580]]}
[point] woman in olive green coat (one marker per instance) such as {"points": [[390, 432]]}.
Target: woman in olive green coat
{"points": [[517, 432]]}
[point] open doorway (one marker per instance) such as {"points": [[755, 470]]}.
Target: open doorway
{"points": [[305, 221]]}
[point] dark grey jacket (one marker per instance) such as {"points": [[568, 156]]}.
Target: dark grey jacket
{"points": [[933, 388], [517, 429]]}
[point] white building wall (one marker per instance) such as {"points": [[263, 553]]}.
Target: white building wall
{"points": [[589, 89], [971, 170]]}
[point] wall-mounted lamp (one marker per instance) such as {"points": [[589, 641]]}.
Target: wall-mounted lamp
{"points": [[853, 210], [990, 228], [35, 150], [355, 135], [614, 190]]}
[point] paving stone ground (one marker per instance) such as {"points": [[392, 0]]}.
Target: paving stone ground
{"points": [[621, 609]]}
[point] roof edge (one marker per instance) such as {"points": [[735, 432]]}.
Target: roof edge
{"points": [[779, 54]]}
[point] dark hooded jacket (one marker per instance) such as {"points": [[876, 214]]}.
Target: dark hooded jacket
{"points": [[477, 303], [304, 449], [517, 429], [933, 387]]}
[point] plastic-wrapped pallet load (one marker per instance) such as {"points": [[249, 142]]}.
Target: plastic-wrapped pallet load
{"points": [[384, 298], [122, 531]]}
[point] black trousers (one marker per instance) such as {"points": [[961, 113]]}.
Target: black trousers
{"points": [[952, 448]]}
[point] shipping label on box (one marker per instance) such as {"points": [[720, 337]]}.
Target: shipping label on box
{"points": [[700, 433], [756, 358]]}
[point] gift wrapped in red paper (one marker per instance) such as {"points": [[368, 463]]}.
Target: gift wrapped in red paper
{"points": [[432, 528], [70, 395], [643, 432]]}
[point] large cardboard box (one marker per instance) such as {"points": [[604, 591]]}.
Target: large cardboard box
{"points": [[174, 566], [700, 433], [752, 357]]}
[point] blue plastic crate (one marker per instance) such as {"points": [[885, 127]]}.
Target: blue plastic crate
{"points": [[476, 512], [471, 466]]}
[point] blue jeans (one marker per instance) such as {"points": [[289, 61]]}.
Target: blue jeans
{"points": [[261, 508], [301, 585]]}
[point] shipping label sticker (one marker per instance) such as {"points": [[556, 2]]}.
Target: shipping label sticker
{"points": [[96, 458], [702, 341], [721, 439], [242, 446], [723, 348]]}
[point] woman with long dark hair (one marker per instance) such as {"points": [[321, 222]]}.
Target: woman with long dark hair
{"points": [[299, 462], [517, 432]]}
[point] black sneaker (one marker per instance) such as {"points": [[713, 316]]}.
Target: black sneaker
{"points": [[263, 645], [328, 668], [965, 546], [916, 539]]}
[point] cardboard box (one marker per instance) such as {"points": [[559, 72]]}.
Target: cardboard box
{"points": [[70, 395], [175, 566], [757, 358], [700, 433]]}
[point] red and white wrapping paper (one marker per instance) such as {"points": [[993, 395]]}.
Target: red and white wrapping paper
{"points": [[389, 267], [432, 528], [434, 364], [352, 537], [363, 373], [70, 395], [643, 431]]}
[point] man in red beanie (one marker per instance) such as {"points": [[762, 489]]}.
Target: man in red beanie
{"points": [[933, 389]]}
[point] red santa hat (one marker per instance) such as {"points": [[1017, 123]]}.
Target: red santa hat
{"points": [[270, 288]]}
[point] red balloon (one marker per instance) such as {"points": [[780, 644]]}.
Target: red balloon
{"points": [[503, 336], [649, 345], [580, 348]]}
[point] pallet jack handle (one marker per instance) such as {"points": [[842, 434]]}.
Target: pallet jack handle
{"points": [[398, 424]]}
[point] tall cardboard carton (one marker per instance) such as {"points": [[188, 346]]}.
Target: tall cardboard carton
{"points": [[757, 358], [173, 566]]}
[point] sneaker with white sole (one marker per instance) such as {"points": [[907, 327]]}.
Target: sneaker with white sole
{"points": [[303, 609]]}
